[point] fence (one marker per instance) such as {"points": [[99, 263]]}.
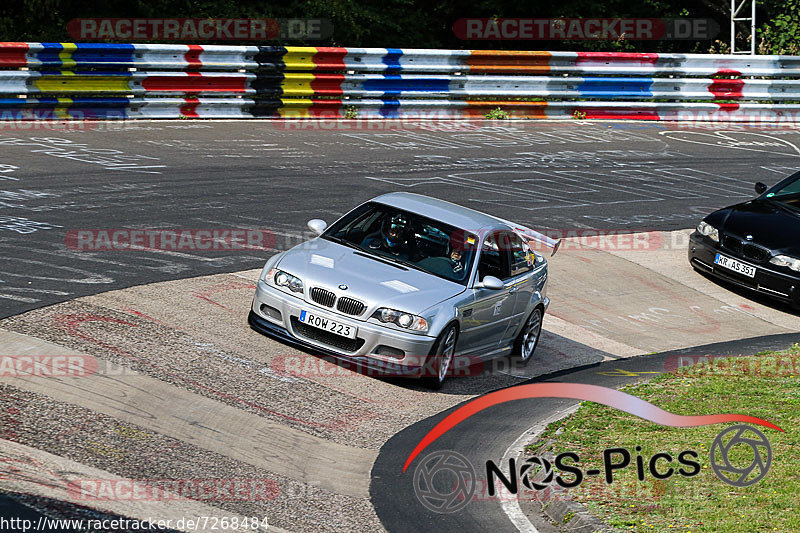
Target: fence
{"points": [[89, 80]]}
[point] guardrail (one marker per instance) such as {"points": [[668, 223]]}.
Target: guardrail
{"points": [[91, 80], [379, 85]]}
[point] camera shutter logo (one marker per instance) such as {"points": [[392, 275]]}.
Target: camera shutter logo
{"points": [[545, 471], [444, 481], [722, 462]]}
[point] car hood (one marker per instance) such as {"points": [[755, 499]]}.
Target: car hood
{"points": [[771, 225], [326, 264]]}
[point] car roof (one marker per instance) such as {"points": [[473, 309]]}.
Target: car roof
{"points": [[449, 213]]}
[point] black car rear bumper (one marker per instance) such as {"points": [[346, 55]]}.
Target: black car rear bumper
{"points": [[769, 282]]}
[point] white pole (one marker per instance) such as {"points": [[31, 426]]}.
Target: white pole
{"points": [[752, 27]]}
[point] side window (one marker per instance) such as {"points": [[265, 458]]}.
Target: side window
{"points": [[493, 261], [792, 188], [521, 255]]}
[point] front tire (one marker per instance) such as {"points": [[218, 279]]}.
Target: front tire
{"points": [[443, 350], [528, 338]]}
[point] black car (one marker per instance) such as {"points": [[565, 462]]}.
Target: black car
{"points": [[755, 244]]}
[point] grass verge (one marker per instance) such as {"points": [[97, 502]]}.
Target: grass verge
{"points": [[766, 385]]}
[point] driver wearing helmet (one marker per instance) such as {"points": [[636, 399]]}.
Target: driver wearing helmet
{"points": [[393, 237], [457, 260], [460, 244]]}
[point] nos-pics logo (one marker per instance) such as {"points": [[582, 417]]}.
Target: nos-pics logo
{"points": [[445, 481]]}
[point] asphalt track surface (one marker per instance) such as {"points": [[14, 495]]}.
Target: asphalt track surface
{"points": [[485, 436], [276, 175], [185, 175]]}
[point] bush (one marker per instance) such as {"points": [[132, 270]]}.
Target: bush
{"points": [[496, 114]]}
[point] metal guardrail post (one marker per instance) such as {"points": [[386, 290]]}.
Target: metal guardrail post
{"points": [[751, 19]]}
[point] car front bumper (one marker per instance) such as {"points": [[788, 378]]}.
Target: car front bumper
{"points": [[377, 349], [777, 285]]}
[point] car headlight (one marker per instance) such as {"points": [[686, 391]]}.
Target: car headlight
{"points": [[786, 261], [283, 279], [404, 320], [704, 228]]}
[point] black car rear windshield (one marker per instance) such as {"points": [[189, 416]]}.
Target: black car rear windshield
{"points": [[408, 239]]}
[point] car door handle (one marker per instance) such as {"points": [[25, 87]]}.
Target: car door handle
{"points": [[512, 290]]}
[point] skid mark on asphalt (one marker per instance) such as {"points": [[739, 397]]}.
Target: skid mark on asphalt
{"points": [[316, 370], [670, 262], [208, 347], [737, 140], [143, 315], [28, 470], [224, 287], [215, 426], [321, 370], [642, 308], [332, 401], [73, 324], [154, 457], [586, 339]]}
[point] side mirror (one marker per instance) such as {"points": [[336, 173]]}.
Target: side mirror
{"points": [[317, 226], [491, 283], [760, 188]]}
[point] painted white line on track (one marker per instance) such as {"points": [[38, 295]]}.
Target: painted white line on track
{"points": [[173, 253], [509, 504]]}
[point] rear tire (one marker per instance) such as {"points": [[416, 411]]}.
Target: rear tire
{"points": [[528, 338], [444, 352]]}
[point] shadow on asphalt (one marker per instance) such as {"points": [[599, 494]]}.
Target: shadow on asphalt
{"points": [[21, 506], [751, 295], [472, 376]]}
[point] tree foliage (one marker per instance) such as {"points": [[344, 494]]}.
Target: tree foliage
{"points": [[410, 23], [781, 33]]}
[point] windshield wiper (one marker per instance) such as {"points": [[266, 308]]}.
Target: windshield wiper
{"points": [[339, 240], [390, 259], [381, 259], [402, 262], [407, 263]]}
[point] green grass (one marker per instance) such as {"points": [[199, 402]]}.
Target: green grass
{"points": [[766, 386], [351, 111], [497, 114]]}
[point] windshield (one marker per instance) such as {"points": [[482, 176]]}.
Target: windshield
{"points": [[408, 239], [788, 194]]}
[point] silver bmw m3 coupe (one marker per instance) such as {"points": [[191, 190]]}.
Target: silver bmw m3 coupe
{"points": [[404, 284]]}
